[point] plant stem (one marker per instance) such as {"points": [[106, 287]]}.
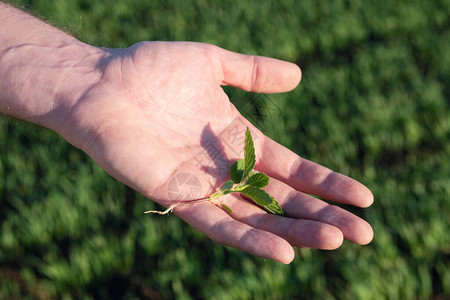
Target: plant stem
{"points": [[238, 188]]}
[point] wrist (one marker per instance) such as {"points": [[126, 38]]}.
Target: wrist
{"points": [[43, 71], [41, 82]]}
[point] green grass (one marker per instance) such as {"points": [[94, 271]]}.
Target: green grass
{"points": [[373, 104]]}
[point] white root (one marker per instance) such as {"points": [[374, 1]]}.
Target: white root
{"points": [[190, 202], [167, 211]]}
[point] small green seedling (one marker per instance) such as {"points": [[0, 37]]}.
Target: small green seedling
{"points": [[243, 180]]}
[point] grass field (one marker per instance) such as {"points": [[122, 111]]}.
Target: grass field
{"points": [[374, 103]]}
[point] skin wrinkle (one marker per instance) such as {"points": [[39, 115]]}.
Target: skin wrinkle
{"points": [[328, 181], [212, 55], [261, 76], [231, 199], [291, 235], [222, 55], [315, 214], [80, 77], [253, 74], [177, 116], [166, 181], [261, 221], [268, 219], [329, 236], [149, 97], [319, 177], [162, 122], [330, 212], [168, 114], [252, 237], [216, 228], [295, 166], [186, 162], [298, 197], [70, 106], [286, 205], [160, 189]]}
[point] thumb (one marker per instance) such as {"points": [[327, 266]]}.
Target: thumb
{"points": [[257, 73]]}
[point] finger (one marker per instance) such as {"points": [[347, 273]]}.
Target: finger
{"points": [[299, 205], [257, 73], [309, 177], [298, 232], [223, 229]]}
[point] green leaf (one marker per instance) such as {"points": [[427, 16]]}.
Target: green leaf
{"points": [[227, 208], [227, 185], [263, 199], [237, 171], [249, 154], [258, 180]]}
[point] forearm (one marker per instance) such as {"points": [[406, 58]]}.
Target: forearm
{"points": [[43, 71]]}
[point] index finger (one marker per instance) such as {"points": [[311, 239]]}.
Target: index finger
{"points": [[308, 177]]}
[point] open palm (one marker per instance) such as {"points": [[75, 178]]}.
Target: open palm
{"points": [[159, 120]]}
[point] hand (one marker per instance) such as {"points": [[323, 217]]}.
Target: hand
{"points": [[159, 112]]}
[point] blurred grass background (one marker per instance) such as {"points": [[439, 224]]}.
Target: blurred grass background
{"points": [[373, 104]]}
